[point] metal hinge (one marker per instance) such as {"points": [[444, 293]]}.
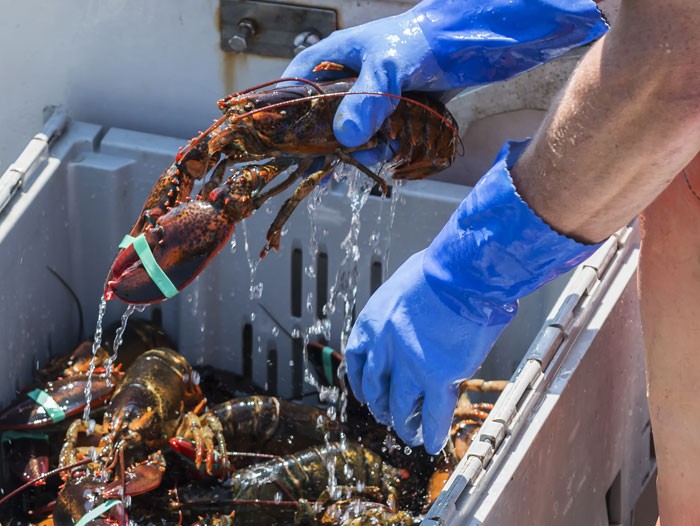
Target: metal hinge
{"points": [[544, 353], [19, 173], [513, 404]]}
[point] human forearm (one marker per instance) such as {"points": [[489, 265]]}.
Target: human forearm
{"points": [[624, 126]]}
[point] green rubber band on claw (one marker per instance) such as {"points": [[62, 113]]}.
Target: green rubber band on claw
{"points": [[328, 364], [157, 274], [97, 511], [45, 400]]}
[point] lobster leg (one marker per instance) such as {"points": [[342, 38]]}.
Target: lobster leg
{"points": [[304, 189], [301, 168], [215, 179], [206, 430], [477, 384], [349, 159], [175, 184]]}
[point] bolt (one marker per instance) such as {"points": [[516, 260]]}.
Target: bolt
{"points": [[305, 39], [239, 41]]}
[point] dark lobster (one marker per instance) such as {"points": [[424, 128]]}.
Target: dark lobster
{"points": [[266, 133], [271, 491], [146, 410], [259, 424]]}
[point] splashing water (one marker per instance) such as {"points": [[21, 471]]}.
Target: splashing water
{"points": [[344, 289], [95, 347], [255, 289], [234, 243], [119, 337], [312, 204], [396, 196]]}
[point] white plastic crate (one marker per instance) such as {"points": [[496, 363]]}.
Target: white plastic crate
{"points": [[567, 444], [572, 421]]}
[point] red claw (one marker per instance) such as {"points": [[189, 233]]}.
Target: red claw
{"points": [[188, 449], [142, 478], [182, 243], [66, 393]]}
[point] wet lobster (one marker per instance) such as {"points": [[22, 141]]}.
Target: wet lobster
{"points": [[262, 134], [255, 424], [272, 492], [147, 408]]}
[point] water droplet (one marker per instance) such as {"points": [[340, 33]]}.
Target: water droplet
{"points": [[309, 302], [256, 291]]}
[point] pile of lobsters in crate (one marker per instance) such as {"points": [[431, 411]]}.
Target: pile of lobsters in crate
{"points": [[177, 444]]}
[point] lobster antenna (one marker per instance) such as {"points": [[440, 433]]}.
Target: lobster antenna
{"points": [[311, 98], [301, 80], [70, 290], [42, 477]]}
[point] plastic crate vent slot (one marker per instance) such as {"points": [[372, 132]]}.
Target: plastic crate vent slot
{"points": [[375, 276], [321, 284], [613, 501], [248, 351], [297, 367], [296, 280], [272, 368]]}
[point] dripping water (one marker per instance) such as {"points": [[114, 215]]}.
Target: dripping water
{"points": [[119, 338], [255, 289], [95, 347]]}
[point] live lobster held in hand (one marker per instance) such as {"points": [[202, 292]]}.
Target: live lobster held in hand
{"points": [[263, 134]]}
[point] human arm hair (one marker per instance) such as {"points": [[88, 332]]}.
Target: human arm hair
{"points": [[626, 123]]}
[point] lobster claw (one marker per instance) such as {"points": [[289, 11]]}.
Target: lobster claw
{"points": [[181, 244], [55, 401], [139, 479]]}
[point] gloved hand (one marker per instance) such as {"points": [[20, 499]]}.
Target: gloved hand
{"points": [[442, 45], [433, 322]]}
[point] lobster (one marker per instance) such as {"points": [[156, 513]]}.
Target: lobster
{"points": [[273, 490], [60, 392], [264, 133], [87, 496], [260, 424], [360, 512], [146, 410]]}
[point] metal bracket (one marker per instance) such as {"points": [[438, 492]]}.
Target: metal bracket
{"points": [[19, 173], [272, 29]]}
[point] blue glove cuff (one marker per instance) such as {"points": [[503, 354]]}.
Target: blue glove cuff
{"points": [[495, 249], [476, 42]]}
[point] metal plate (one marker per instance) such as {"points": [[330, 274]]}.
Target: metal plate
{"points": [[276, 26]]}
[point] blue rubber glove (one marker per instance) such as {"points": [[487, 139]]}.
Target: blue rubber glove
{"points": [[442, 45], [433, 322]]}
